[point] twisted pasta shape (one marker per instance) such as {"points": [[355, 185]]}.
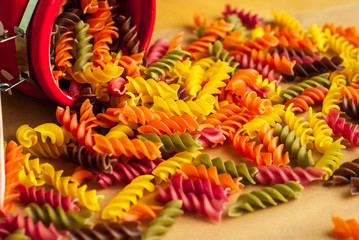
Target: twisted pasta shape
{"points": [[170, 125], [253, 126], [109, 231], [17, 235], [297, 89], [248, 19], [342, 47], [301, 126], [332, 99], [188, 170], [236, 171], [350, 92], [83, 47], [193, 83], [129, 195], [34, 230], [255, 104], [102, 39], [320, 36], [260, 43], [321, 131], [31, 172], [197, 196], [273, 94], [61, 219], [345, 228], [124, 146], [88, 199], [167, 62], [283, 20], [216, 50], [89, 6], [331, 159], [174, 142], [341, 128], [139, 211], [350, 108], [126, 172], [157, 50], [63, 51], [163, 220], [99, 18], [308, 96], [150, 88], [279, 193], [167, 168], [345, 173], [128, 41], [275, 174], [40, 197]]}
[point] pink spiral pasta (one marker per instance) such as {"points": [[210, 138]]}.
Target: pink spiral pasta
{"points": [[157, 50], [210, 136]]}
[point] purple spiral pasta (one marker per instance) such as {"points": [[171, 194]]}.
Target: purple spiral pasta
{"points": [[344, 173], [40, 197], [157, 50], [197, 196], [126, 172], [36, 231], [340, 128], [210, 136], [248, 19], [246, 61], [274, 174]]}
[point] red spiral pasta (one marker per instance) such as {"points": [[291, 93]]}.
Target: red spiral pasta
{"points": [[210, 136], [40, 197], [174, 124], [308, 97]]}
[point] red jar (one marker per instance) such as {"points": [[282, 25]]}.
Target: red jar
{"points": [[142, 13]]}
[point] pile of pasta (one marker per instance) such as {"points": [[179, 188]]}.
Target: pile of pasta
{"points": [[145, 121]]}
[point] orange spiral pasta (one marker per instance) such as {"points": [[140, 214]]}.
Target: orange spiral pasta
{"points": [[57, 74], [200, 20], [124, 113], [255, 104], [308, 97], [123, 146], [98, 20], [199, 48], [139, 211], [350, 92], [131, 64], [89, 6], [63, 51], [200, 172], [240, 80], [12, 168], [351, 34], [177, 40], [174, 124], [282, 65], [233, 39], [345, 228], [102, 39], [260, 43], [81, 174]]}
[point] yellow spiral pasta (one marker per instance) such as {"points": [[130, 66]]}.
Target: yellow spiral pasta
{"points": [[274, 92], [320, 36], [321, 131], [205, 63], [181, 69], [301, 127], [128, 196], [88, 199], [349, 74], [195, 108], [30, 174], [193, 84], [342, 47], [283, 20], [167, 168], [100, 89], [121, 130], [252, 127], [151, 88], [332, 99]]}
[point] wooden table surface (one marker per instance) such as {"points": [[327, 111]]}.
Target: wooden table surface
{"points": [[308, 217]]}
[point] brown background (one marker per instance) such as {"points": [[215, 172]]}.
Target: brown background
{"points": [[308, 217]]}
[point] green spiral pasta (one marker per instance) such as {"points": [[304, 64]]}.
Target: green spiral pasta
{"points": [[166, 63], [292, 144], [216, 50], [61, 219], [237, 22], [163, 220], [296, 90], [83, 47], [240, 170], [267, 196], [18, 234], [174, 142], [331, 159]]}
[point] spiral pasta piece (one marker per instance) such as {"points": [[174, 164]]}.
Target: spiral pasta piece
{"points": [[157, 50], [88, 199], [107, 231], [83, 47], [31, 172], [163, 220], [267, 196], [350, 93], [128, 41], [248, 19], [342, 47], [61, 219], [166, 63], [320, 36], [331, 159], [347, 172], [63, 51], [89, 6], [283, 20], [321, 131], [350, 108], [102, 39], [99, 18], [17, 235], [255, 104], [308, 96], [216, 50], [275, 174], [236, 171], [174, 142], [253, 126], [345, 228], [129, 195], [188, 170]]}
